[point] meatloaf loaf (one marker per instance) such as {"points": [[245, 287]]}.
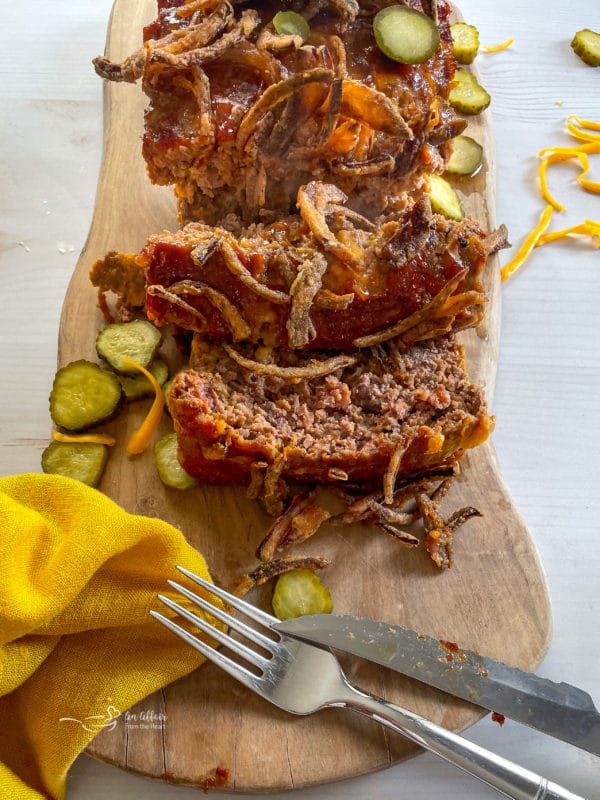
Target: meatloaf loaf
{"points": [[239, 116], [280, 418]]}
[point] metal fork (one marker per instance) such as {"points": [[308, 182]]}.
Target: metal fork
{"points": [[303, 678]]}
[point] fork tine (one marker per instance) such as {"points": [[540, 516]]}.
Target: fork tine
{"points": [[236, 647], [222, 616], [236, 602], [237, 671]]}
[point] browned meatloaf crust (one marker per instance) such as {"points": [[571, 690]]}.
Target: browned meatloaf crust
{"points": [[325, 279], [382, 413], [240, 117]]}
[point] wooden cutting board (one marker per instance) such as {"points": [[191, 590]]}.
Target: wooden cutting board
{"points": [[493, 600]]}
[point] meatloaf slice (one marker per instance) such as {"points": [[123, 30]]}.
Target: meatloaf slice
{"points": [[380, 413], [239, 117], [327, 278]]}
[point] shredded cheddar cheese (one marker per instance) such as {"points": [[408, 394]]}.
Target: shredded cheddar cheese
{"points": [[528, 244], [589, 186], [139, 440], [589, 147], [587, 228], [588, 144], [84, 438], [544, 182], [498, 47], [589, 124], [582, 135]]}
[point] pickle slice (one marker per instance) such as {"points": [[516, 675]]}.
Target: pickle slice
{"points": [[444, 199], [84, 395], [138, 386], [466, 158], [586, 44], [289, 23], [82, 461], [169, 469], [468, 96], [300, 592], [138, 340], [405, 35], [465, 42]]}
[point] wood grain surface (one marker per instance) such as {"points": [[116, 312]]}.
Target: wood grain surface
{"points": [[493, 600]]}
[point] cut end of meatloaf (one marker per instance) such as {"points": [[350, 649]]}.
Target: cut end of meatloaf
{"points": [[382, 413], [239, 117]]}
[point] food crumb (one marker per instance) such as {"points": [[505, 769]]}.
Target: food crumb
{"points": [[24, 246], [220, 778], [558, 102], [499, 718]]}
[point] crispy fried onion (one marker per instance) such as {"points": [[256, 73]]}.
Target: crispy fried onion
{"points": [[328, 299], [193, 37], [269, 39], [438, 541], [303, 290], [298, 522], [374, 108], [378, 165], [274, 489], [271, 569], [199, 87], [276, 94], [239, 327], [176, 56], [370, 508], [496, 240], [237, 268], [313, 368], [316, 200], [416, 499], [423, 316]]}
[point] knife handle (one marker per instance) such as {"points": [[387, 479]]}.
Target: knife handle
{"points": [[501, 774]]}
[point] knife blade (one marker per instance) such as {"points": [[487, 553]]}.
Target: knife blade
{"points": [[557, 709]]}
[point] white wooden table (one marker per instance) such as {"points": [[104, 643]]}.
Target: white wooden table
{"points": [[548, 389]]}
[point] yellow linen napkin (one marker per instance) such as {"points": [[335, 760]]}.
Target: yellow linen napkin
{"points": [[78, 576]]}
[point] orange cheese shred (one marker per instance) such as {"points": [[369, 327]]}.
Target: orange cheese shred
{"points": [[589, 186], [498, 47], [587, 228], [589, 124], [139, 439], [528, 244], [582, 135], [84, 438], [544, 182], [588, 147]]}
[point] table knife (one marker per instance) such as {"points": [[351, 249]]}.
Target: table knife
{"points": [[557, 709]]}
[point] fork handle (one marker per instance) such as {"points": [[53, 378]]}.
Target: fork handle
{"points": [[501, 774]]}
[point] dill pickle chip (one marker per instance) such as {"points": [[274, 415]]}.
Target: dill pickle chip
{"points": [[81, 461], [586, 44], [405, 35], [300, 592], [83, 395], [289, 23], [468, 96], [465, 42], [138, 386], [444, 199], [169, 469], [466, 158], [138, 340]]}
